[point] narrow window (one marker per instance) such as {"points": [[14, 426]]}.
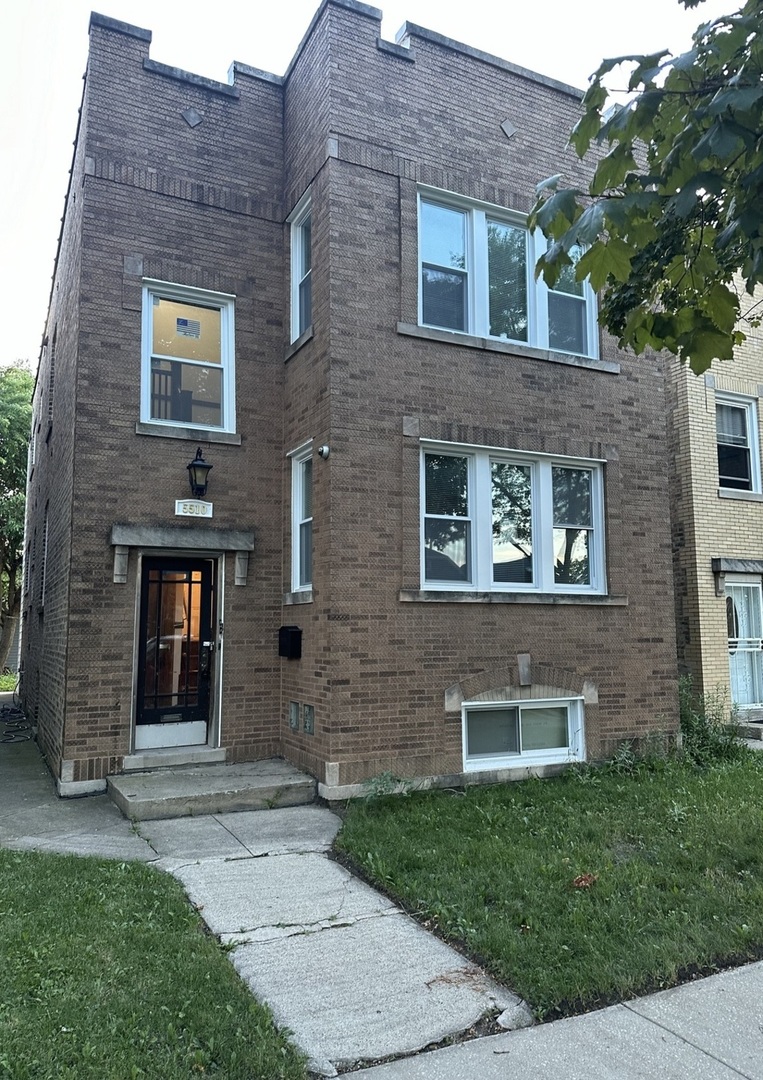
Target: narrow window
{"points": [[573, 526], [443, 267], [447, 526], [302, 521], [301, 224], [567, 311], [507, 281]]}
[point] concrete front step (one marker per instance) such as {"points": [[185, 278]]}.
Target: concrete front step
{"points": [[210, 789], [750, 731]]}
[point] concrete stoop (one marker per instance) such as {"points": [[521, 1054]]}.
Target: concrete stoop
{"points": [[194, 790]]}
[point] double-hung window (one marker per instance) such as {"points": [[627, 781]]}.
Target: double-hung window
{"points": [[477, 277], [505, 521], [188, 357], [302, 519], [736, 423], [301, 268]]}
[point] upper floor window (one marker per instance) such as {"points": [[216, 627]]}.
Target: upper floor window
{"points": [[736, 424], [508, 521], [477, 277], [188, 357], [301, 268], [302, 519]]}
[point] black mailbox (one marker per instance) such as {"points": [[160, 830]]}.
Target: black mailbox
{"points": [[290, 642]]}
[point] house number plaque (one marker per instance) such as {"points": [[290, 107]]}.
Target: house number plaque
{"points": [[193, 508]]}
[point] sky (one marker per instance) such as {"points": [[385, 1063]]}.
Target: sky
{"points": [[43, 54]]}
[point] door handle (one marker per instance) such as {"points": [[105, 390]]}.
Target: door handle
{"points": [[204, 657]]}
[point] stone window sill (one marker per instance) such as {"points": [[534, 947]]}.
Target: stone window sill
{"points": [[431, 596], [449, 337], [192, 434], [742, 496], [303, 596]]}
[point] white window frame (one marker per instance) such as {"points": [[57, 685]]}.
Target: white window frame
{"points": [[297, 220], [477, 276], [299, 458], [225, 304], [750, 407], [479, 480], [574, 751]]}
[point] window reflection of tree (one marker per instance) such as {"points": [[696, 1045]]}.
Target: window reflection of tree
{"points": [[572, 509], [507, 271], [512, 520], [446, 494]]}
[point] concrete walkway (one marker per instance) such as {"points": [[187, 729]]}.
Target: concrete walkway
{"points": [[354, 978]]}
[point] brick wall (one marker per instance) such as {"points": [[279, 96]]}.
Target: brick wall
{"points": [[204, 204]]}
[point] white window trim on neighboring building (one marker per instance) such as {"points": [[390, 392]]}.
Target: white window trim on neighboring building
{"points": [[504, 758], [300, 232], [476, 275], [749, 407], [301, 518], [478, 521], [222, 302]]}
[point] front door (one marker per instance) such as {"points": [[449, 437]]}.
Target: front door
{"points": [[744, 615], [175, 652]]}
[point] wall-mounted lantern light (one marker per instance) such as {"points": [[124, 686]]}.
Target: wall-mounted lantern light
{"points": [[198, 475]]}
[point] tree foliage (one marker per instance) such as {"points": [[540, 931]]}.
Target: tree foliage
{"points": [[672, 220], [16, 388]]}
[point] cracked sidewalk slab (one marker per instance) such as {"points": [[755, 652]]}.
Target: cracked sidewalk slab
{"points": [[253, 832], [377, 988], [264, 934], [236, 896]]}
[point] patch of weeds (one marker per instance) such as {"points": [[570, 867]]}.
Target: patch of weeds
{"points": [[386, 783], [708, 726]]}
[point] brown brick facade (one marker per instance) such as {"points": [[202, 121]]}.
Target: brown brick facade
{"points": [[181, 180]]}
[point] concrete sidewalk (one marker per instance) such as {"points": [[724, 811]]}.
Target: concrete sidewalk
{"points": [[355, 979]]}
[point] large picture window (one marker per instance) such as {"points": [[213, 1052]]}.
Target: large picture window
{"points": [[519, 733], [477, 277], [494, 520], [188, 357]]}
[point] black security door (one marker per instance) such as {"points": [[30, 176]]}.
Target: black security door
{"points": [[177, 642]]}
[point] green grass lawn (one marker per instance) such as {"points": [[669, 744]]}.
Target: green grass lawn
{"points": [[586, 889], [106, 972]]}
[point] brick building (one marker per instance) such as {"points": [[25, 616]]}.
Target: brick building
{"points": [[435, 539], [717, 502]]}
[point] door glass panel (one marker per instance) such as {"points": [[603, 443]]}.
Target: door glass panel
{"points": [[743, 616], [172, 642]]}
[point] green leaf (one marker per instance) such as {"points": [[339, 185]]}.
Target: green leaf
{"points": [[605, 258], [558, 212], [722, 306], [705, 345], [612, 169], [736, 99]]}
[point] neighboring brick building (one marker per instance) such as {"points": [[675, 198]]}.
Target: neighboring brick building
{"points": [[436, 469], [717, 502]]}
